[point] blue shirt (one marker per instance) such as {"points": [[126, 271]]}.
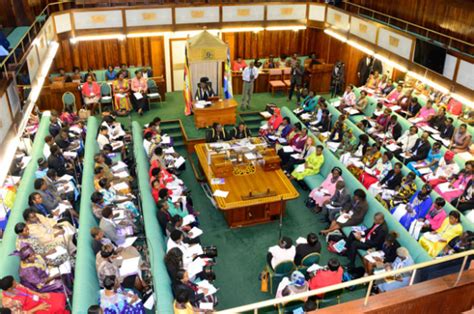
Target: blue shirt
{"points": [[110, 75]]}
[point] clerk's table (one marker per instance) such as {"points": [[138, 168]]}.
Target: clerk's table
{"points": [[258, 188], [223, 111]]}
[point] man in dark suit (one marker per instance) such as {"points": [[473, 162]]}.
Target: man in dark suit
{"points": [[163, 215], [367, 65], [296, 79], [420, 150], [447, 130], [54, 126], [373, 237], [340, 199], [204, 90]]}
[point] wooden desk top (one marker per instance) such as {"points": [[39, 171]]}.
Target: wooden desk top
{"points": [[219, 104], [237, 186]]}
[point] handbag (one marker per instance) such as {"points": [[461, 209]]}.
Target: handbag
{"points": [[310, 203], [84, 114], [264, 281], [209, 251]]}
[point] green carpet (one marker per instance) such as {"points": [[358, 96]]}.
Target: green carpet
{"points": [[242, 252]]}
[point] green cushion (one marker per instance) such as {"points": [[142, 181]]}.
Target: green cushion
{"points": [[15, 36], [154, 235], [85, 272], [9, 264]]}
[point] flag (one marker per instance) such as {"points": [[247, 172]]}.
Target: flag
{"points": [[227, 77], [188, 99]]}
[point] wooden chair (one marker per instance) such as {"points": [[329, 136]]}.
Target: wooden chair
{"points": [[106, 96], [68, 100], [153, 93], [287, 78], [275, 80], [281, 270]]}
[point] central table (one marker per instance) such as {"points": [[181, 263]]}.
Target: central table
{"points": [[241, 209], [223, 111]]}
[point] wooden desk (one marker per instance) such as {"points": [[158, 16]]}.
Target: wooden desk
{"points": [[239, 212], [221, 111]]}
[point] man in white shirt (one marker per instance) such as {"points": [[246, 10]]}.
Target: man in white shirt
{"points": [[249, 75], [407, 140], [49, 141], [102, 138]]}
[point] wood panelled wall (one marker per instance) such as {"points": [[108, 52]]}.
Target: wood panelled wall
{"points": [[453, 17], [147, 51], [249, 45]]}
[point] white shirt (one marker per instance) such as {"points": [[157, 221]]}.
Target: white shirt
{"points": [[46, 151], [281, 255], [102, 140], [407, 141], [146, 146], [247, 72]]}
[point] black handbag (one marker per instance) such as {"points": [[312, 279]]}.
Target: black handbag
{"points": [[310, 203], [209, 251]]}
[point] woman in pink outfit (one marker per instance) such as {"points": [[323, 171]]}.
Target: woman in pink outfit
{"points": [[455, 187], [323, 193], [426, 113]]}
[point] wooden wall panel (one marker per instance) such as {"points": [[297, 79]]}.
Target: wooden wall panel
{"points": [[100, 54], [262, 44]]}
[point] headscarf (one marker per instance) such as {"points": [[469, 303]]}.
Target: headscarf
{"points": [[449, 155], [297, 279], [24, 252]]}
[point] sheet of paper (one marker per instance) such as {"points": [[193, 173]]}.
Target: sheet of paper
{"points": [[296, 156], [301, 240], [266, 114], [433, 237], [217, 181], [207, 306], [59, 251], [169, 150], [138, 95], [165, 139], [250, 156], [179, 162], [189, 219], [24, 161], [333, 146], [120, 186], [351, 111], [220, 193], [195, 267], [300, 168], [195, 249], [122, 174], [130, 266], [272, 137], [65, 268], [264, 127], [288, 149], [150, 302], [342, 218], [314, 268], [207, 285], [444, 187], [54, 271], [282, 140], [195, 232], [70, 155], [429, 129], [392, 147], [119, 166], [128, 242], [395, 108], [424, 171], [117, 144]]}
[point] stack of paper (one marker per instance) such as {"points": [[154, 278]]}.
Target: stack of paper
{"points": [[120, 186], [122, 174], [130, 266], [429, 129], [288, 149], [272, 137], [169, 150], [189, 219], [314, 267], [179, 162], [250, 156], [351, 111], [117, 144], [433, 237], [370, 256], [300, 168], [444, 141], [165, 139], [208, 286], [392, 147], [333, 146], [195, 232], [70, 155], [128, 242], [220, 193], [265, 114], [395, 108], [59, 250], [282, 140]]}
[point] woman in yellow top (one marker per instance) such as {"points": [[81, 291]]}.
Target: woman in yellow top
{"points": [[182, 305], [311, 166], [121, 95], [435, 241]]}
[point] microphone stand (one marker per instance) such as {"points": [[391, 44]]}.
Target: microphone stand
{"points": [[280, 225]]}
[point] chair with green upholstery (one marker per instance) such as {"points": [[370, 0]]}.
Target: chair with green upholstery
{"points": [[309, 260], [153, 93], [69, 100], [281, 270], [106, 96], [330, 297]]}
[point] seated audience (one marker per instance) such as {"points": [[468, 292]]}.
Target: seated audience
{"points": [[293, 285], [323, 194], [429, 164], [402, 260], [401, 194], [376, 173], [91, 93], [216, 134], [416, 208], [425, 114], [445, 169], [327, 276], [351, 215], [139, 90], [435, 241], [239, 64], [348, 98], [339, 200], [20, 299], [419, 151], [311, 246], [461, 140], [372, 237], [283, 252], [121, 90], [110, 73], [312, 164], [465, 202], [456, 184], [387, 254], [113, 300], [240, 132]]}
